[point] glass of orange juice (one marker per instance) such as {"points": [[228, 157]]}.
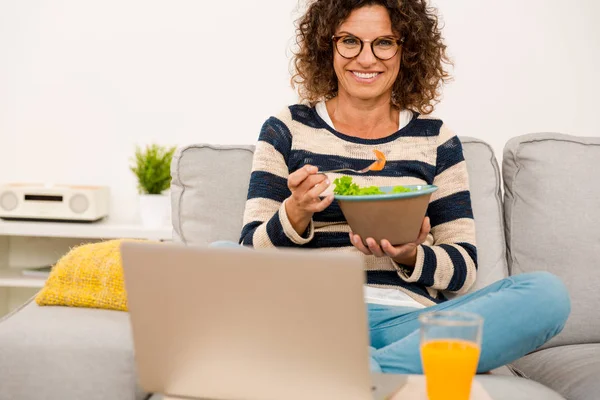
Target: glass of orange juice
{"points": [[450, 347]]}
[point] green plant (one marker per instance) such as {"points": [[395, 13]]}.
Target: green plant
{"points": [[152, 167]]}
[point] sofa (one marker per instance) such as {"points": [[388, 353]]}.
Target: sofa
{"points": [[547, 219]]}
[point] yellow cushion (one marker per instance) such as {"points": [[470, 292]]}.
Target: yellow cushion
{"points": [[90, 275]]}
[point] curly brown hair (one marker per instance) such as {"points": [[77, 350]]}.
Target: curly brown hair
{"points": [[423, 53]]}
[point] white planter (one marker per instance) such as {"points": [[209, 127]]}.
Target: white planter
{"points": [[155, 210]]}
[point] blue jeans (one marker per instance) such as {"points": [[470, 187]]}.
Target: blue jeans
{"points": [[520, 314]]}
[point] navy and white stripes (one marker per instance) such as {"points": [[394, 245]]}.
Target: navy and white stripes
{"points": [[423, 152]]}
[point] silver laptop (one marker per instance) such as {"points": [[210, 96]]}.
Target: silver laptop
{"points": [[226, 323]]}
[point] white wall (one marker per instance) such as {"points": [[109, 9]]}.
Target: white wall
{"points": [[82, 82], [522, 66]]}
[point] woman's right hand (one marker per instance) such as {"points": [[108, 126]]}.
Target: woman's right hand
{"points": [[306, 185]]}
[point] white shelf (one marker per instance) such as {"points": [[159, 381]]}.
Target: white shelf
{"points": [[14, 278], [104, 229]]}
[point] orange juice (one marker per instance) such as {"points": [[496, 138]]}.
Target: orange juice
{"points": [[449, 366]]}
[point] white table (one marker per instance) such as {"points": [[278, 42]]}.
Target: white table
{"points": [[498, 387], [28, 244]]}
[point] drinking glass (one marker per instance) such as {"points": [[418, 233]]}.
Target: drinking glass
{"points": [[450, 347]]}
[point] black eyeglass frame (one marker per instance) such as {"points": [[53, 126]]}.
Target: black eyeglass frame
{"points": [[336, 38]]}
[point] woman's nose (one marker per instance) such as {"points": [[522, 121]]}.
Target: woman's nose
{"points": [[366, 56]]}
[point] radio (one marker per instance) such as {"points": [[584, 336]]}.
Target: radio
{"points": [[22, 201]]}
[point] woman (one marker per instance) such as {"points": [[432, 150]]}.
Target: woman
{"points": [[370, 71]]}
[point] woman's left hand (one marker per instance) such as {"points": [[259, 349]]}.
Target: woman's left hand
{"points": [[405, 254]]}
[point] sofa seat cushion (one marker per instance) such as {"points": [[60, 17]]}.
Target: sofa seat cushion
{"points": [[552, 213], [573, 371], [67, 353]]}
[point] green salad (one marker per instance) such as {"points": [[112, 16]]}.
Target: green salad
{"points": [[345, 187]]}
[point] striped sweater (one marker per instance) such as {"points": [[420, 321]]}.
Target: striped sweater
{"points": [[423, 152]]}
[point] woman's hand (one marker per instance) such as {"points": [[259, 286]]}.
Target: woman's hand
{"points": [[306, 185], [405, 254]]}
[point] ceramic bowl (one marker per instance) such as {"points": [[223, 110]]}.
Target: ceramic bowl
{"points": [[396, 217]]}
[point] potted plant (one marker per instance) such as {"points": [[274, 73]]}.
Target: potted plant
{"points": [[152, 167]]}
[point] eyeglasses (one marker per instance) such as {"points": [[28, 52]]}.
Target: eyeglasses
{"points": [[384, 47]]}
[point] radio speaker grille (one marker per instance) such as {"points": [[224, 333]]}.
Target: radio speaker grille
{"points": [[8, 201], [79, 204]]}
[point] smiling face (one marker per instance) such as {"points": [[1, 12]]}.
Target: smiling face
{"points": [[365, 77]]}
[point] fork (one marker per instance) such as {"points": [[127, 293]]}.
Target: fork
{"points": [[360, 171], [375, 166]]}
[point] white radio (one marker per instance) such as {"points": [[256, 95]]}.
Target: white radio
{"points": [[53, 202]]}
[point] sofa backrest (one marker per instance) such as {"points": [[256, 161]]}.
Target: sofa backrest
{"points": [[210, 185], [552, 212], [486, 197], [208, 192]]}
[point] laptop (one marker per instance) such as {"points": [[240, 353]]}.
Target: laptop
{"points": [[227, 323]]}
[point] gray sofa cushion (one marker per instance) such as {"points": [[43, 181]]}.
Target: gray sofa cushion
{"points": [[210, 185], [552, 212], [486, 197], [67, 353], [573, 371], [209, 191]]}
